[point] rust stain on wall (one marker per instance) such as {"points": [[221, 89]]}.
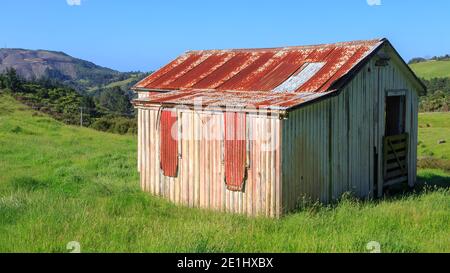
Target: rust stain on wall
{"points": [[169, 143]]}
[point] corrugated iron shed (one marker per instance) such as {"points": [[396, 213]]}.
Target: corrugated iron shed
{"points": [[227, 157], [274, 78]]}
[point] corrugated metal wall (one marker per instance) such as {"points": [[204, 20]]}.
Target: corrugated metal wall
{"points": [[329, 147], [305, 170], [201, 178]]}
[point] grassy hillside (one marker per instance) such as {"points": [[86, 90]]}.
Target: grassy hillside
{"points": [[61, 183], [434, 140], [123, 83], [434, 127], [432, 69]]}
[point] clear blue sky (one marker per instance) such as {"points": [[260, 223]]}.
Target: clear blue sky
{"points": [[143, 35]]}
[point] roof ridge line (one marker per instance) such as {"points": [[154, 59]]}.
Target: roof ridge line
{"points": [[345, 43]]}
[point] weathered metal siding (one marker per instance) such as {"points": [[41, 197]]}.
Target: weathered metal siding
{"points": [[305, 170], [329, 147], [201, 177]]}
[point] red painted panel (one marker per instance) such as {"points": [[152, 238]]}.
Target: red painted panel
{"points": [[169, 143], [235, 150]]}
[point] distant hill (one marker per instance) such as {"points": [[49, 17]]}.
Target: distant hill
{"points": [[435, 74], [432, 69], [79, 74]]}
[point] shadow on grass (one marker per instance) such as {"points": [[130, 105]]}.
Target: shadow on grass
{"points": [[427, 181], [434, 180]]}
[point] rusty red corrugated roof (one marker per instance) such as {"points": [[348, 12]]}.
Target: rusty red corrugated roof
{"points": [[230, 99], [254, 74]]}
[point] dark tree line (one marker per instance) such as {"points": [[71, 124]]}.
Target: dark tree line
{"points": [[435, 58], [437, 96], [437, 84]]}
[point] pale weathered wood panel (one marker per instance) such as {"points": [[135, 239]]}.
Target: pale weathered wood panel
{"points": [[201, 176]]}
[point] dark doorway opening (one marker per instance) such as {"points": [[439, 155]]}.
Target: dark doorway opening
{"points": [[395, 143], [395, 115]]}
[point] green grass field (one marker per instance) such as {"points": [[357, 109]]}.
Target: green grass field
{"points": [[432, 69], [62, 183], [434, 127]]}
